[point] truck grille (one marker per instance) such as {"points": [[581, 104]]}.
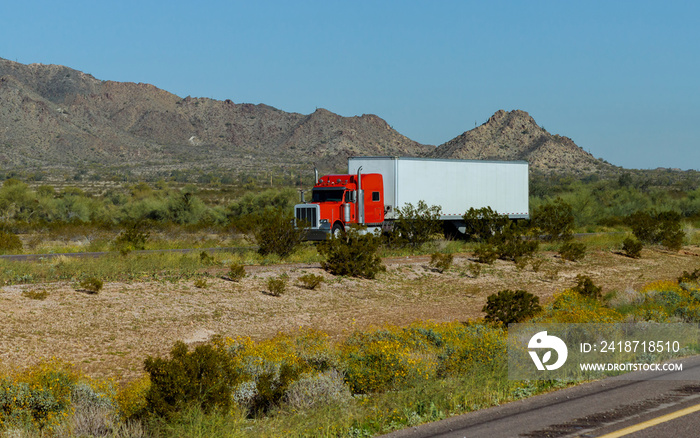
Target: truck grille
{"points": [[306, 214]]}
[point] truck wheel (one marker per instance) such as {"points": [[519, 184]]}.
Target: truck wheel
{"points": [[451, 231], [337, 230]]}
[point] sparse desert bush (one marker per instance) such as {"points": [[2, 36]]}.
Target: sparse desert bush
{"points": [[39, 294], [354, 254], [415, 225], [474, 269], [554, 220], [276, 286], [392, 358], [585, 287], [499, 237], [275, 233], [644, 225], [201, 283], [508, 306], [632, 248], [654, 227], [481, 224], [204, 377], [441, 262], [36, 399], [551, 274], [317, 389], [570, 306], [485, 253], [573, 251], [91, 285], [9, 242], [271, 388], [131, 398], [385, 359], [536, 264], [206, 258], [94, 413], [132, 238], [236, 272], [510, 243], [310, 281], [689, 277]]}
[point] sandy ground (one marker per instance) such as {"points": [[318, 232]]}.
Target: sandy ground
{"points": [[109, 334]]}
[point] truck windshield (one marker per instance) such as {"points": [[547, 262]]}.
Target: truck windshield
{"points": [[328, 195]]}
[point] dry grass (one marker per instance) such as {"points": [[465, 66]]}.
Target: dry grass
{"points": [[110, 334]]}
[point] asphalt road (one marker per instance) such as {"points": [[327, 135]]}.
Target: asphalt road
{"points": [[607, 408], [29, 257]]}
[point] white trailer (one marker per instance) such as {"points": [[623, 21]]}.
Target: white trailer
{"points": [[454, 185]]}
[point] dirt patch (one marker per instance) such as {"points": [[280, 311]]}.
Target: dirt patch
{"points": [[110, 334]]}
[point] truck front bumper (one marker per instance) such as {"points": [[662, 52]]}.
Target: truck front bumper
{"points": [[323, 232]]}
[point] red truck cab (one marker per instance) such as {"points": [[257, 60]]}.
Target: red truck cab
{"points": [[340, 200]]}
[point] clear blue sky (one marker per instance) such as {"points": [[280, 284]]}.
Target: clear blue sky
{"points": [[621, 78]]}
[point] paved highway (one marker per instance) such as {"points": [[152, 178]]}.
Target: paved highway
{"points": [[30, 257], [607, 408]]}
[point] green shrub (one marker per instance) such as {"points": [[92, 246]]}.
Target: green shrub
{"points": [[689, 277], [632, 247], [415, 225], [276, 286], [654, 227], [9, 241], [275, 233], [573, 251], [236, 272], [271, 388], [204, 377], [510, 243], [474, 269], [206, 259], [554, 220], [132, 238], [354, 254], [441, 262], [485, 253], [509, 306], [499, 237], [310, 281], [37, 399], [35, 294], [536, 264], [201, 283], [483, 223], [585, 287], [91, 285]]}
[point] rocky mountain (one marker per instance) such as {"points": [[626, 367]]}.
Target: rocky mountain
{"points": [[58, 119], [514, 135], [55, 117]]}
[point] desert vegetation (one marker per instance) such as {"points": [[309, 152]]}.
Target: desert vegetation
{"points": [[305, 382], [357, 336]]}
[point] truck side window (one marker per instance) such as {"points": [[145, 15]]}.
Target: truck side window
{"points": [[375, 196]]}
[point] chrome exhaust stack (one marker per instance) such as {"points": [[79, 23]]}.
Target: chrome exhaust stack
{"points": [[360, 199]]}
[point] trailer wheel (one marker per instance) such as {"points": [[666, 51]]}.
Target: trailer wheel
{"points": [[451, 231], [337, 230]]}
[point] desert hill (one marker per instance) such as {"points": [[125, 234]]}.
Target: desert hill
{"points": [[514, 135], [56, 117]]}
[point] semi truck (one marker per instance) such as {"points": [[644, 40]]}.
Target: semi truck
{"points": [[376, 188]]}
